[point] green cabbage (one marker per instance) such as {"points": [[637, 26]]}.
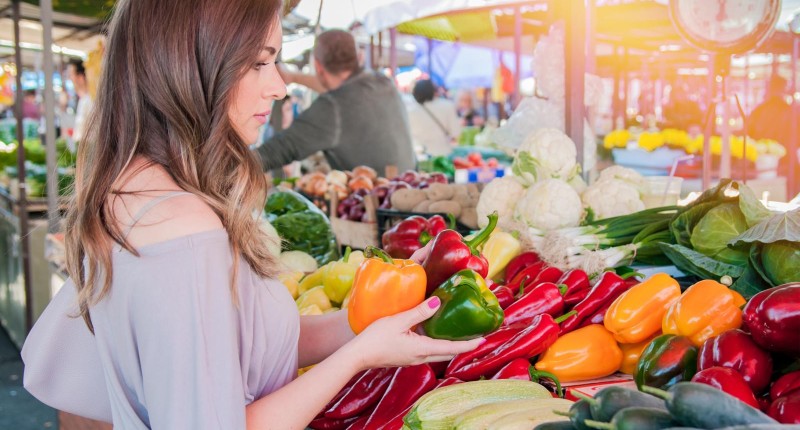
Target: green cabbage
{"points": [[781, 262], [719, 226]]}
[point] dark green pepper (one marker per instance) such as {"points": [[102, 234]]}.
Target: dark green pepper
{"points": [[668, 359], [469, 309]]}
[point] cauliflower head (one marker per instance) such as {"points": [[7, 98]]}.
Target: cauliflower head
{"points": [[612, 197], [501, 195], [549, 205], [624, 174], [546, 153]]}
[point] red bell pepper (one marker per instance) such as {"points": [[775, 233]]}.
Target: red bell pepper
{"points": [[735, 349], [408, 384], [525, 276], [773, 319], [729, 381], [520, 262], [534, 340], [785, 385], [324, 423], [504, 295], [490, 342], [520, 368], [786, 410], [396, 423], [578, 286], [411, 234], [450, 254], [545, 298], [362, 395], [606, 290]]}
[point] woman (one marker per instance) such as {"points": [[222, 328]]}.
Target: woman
{"points": [[168, 267], [433, 120]]}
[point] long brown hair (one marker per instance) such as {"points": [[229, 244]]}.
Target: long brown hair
{"points": [[169, 76]]}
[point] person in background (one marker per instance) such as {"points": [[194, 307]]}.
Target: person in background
{"points": [[771, 119], [470, 117], [172, 317], [359, 119], [682, 112], [433, 120], [30, 107], [77, 74]]}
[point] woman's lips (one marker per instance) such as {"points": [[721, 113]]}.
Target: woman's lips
{"points": [[262, 117]]}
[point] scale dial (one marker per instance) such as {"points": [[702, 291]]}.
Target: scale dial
{"points": [[725, 26]]}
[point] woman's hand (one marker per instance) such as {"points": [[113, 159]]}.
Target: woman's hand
{"points": [[391, 341], [421, 254]]}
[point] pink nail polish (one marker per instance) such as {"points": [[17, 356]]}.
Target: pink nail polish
{"points": [[434, 302]]}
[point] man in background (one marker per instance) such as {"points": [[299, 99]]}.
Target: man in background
{"points": [[77, 74], [359, 119]]}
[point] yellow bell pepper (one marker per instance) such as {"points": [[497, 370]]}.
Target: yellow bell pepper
{"points": [[292, 282], [637, 314], [631, 353], [587, 353], [705, 310], [338, 278], [499, 250], [313, 280], [314, 296], [311, 310]]}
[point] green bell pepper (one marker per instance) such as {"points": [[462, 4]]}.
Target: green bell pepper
{"points": [[468, 308], [667, 360]]}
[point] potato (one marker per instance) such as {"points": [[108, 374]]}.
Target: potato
{"points": [[447, 207], [463, 199], [469, 217], [422, 207], [438, 192], [406, 199]]}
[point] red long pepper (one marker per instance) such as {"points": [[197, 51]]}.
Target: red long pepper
{"points": [[578, 286], [324, 423], [525, 276], [520, 368], [785, 385], [735, 349], [599, 316], [534, 340], [396, 423], [341, 393], [408, 384], [545, 298], [607, 289], [360, 423], [548, 274], [504, 295], [786, 410], [729, 381], [490, 342], [520, 262], [363, 394], [450, 254]]}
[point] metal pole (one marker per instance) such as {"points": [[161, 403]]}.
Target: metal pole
{"points": [[624, 85], [711, 118], [746, 85], [50, 116], [792, 144], [591, 54], [380, 63], [615, 100], [393, 51], [23, 199], [725, 134], [517, 56], [575, 65]]}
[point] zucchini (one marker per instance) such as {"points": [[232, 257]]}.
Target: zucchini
{"points": [[703, 406], [524, 420], [608, 401], [579, 412], [439, 408], [480, 417], [637, 418], [555, 425], [764, 427]]}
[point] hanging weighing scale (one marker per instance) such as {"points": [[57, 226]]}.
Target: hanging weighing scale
{"points": [[723, 28]]}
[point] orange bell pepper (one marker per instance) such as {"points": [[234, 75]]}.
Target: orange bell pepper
{"points": [[706, 309], [587, 353], [637, 314], [383, 287], [631, 353]]}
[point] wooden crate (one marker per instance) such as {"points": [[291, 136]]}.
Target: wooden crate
{"points": [[355, 234]]}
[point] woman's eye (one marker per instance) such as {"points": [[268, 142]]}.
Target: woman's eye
{"points": [[258, 66]]}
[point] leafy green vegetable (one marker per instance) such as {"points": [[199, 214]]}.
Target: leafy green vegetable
{"points": [[302, 226], [697, 264], [782, 226], [781, 262], [750, 283], [525, 166], [754, 211], [713, 232]]}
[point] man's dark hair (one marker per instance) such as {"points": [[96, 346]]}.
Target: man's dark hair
{"points": [[423, 91], [776, 85], [336, 51], [80, 69]]}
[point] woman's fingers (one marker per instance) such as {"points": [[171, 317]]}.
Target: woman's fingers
{"points": [[419, 313]]}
